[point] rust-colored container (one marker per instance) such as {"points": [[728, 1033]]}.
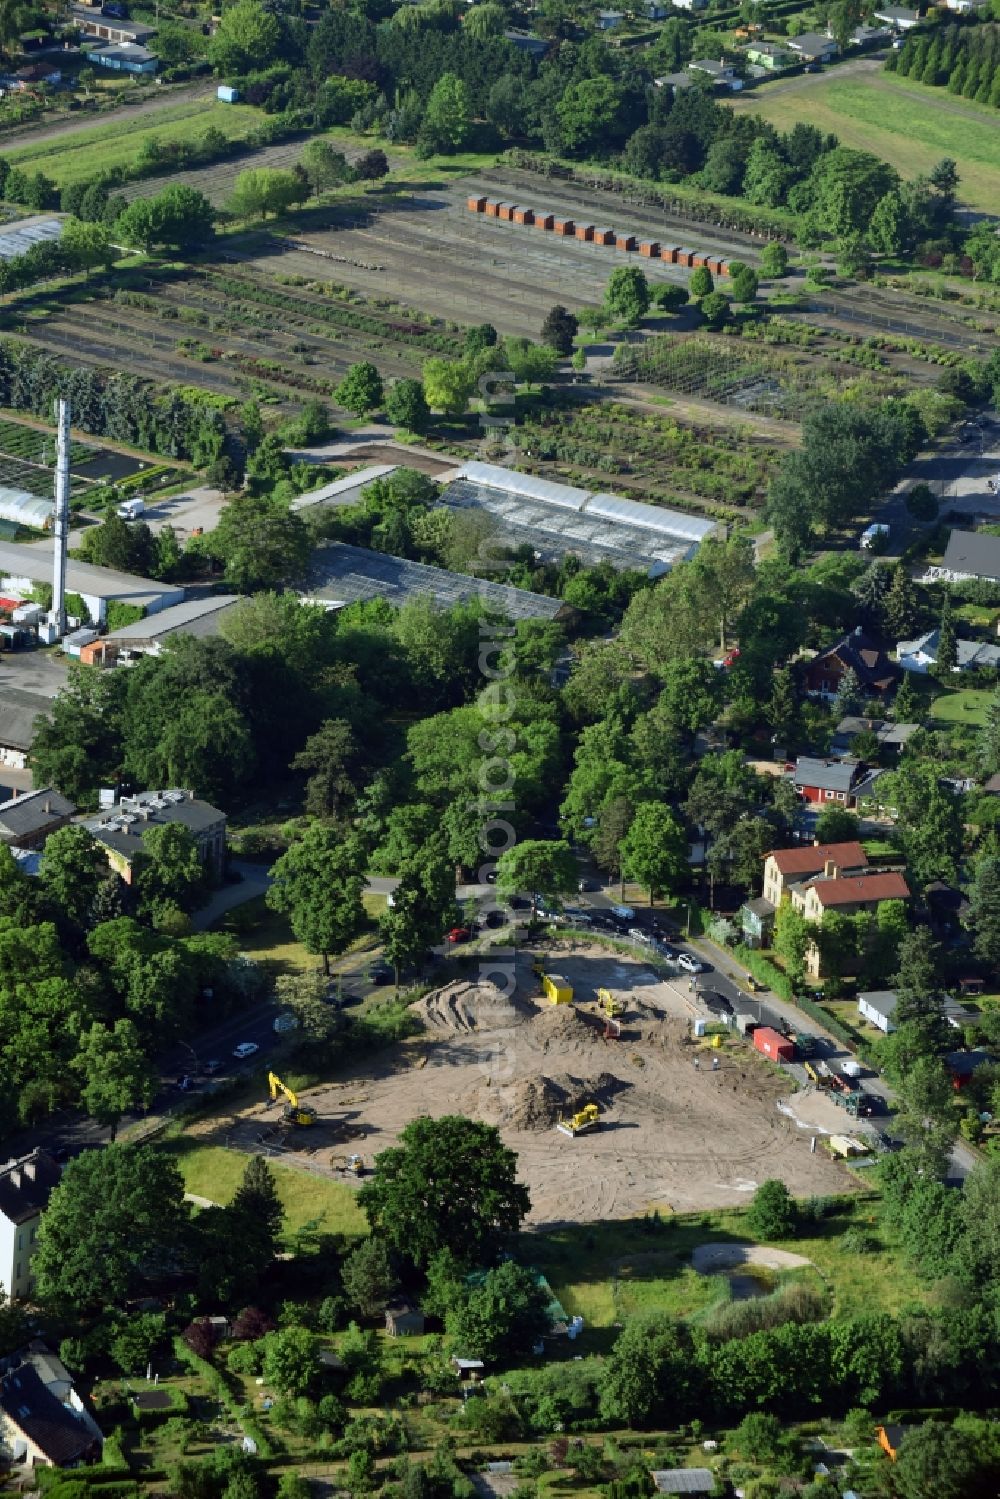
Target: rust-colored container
{"points": [[670, 253], [544, 220], [585, 231], [492, 208], [698, 258], [604, 236], [723, 267], [476, 205], [685, 257], [625, 242], [524, 216], [505, 211], [650, 248], [565, 227]]}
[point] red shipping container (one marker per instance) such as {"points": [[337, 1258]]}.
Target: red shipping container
{"points": [[624, 241], [777, 1047], [650, 248], [544, 220], [585, 232], [476, 205], [565, 227]]}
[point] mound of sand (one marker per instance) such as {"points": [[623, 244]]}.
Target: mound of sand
{"points": [[467, 1006], [539, 1102], [560, 1025]]}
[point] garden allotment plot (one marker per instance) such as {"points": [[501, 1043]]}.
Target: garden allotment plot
{"points": [[28, 455]]}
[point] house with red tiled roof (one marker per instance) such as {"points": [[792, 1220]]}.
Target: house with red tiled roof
{"points": [[857, 652], [846, 894], [787, 867]]}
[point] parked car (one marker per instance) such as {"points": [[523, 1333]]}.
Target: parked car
{"points": [[458, 934], [690, 963], [672, 954], [624, 913], [381, 973], [245, 1049], [519, 903], [638, 935], [714, 1001]]}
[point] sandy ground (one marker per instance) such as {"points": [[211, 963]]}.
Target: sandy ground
{"points": [[709, 1259], [673, 1135]]}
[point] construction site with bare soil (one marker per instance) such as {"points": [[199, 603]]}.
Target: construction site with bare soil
{"points": [[651, 1117]]}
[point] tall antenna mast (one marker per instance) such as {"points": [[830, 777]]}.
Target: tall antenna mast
{"points": [[57, 614]]}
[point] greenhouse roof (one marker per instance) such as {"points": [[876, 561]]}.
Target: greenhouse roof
{"points": [[20, 237], [24, 509], [559, 518]]}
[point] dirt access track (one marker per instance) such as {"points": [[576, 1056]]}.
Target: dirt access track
{"points": [[672, 1136]]}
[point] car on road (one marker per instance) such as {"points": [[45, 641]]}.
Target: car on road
{"points": [[690, 963], [624, 913], [672, 954], [244, 1050], [586, 883], [576, 916], [638, 935], [381, 973], [458, 934]]}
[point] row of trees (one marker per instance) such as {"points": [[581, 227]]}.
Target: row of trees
{"points": [[965, 58]]}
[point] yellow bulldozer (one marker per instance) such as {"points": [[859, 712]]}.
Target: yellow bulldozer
{"points": [[610, 1004], [301, 1114], [588, 1118]]}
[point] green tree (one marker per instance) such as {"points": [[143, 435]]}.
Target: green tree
{"points": [[901, 609], [423, 904], [368, 1277], [179, 217], [701, 283], [743, 282], [259, 191], [170, 869], [406, 406], [371, 166], [115, 1073], [715, 308], [984, 909], [448, 384], [448, 116], [325, 167], [262, 544], [918, 988], [922, 504], [503, 1317], [135, 1339], [941, 1460], [626, 296], [332, 756], [650, 1374], [888, 229], [774, 260], [836, 825], [72, 868], [116, 1220], [791, 940], [291, 1360], [451, 1184], [247, 38], [538, 867], [361, 389], [771, 1215], [947, 651], [589, 114], [317, 884], [844, 188], [86, 246], [528, 362], [559, 329], [654, 850]]}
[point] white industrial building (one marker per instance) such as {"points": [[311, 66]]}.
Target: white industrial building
{"points": [[557, 519], [22, 566]]}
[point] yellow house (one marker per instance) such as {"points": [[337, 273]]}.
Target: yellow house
{"points": [[785, 867], [845, 894]]}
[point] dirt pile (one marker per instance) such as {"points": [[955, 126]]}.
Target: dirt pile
{"points": [[467, 1006], [561, 1025], [539, 1102]]}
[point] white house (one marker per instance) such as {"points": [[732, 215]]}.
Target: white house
{"points": [[43, 1421], [25, 1187], [921, 654], [878, 1007], [902, 17]]}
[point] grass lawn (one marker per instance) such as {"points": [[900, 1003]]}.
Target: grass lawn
{"points": [[908, 124], [605, 1272], [84, 154], [214, 1172], [967, 707]]}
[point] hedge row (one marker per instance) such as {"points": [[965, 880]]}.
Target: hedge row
{"points": [[766, 972], [220, 1387]]}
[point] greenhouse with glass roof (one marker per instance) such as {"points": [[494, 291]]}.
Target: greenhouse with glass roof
{"points": [[24, 509]]}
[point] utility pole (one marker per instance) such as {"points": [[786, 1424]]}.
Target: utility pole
{"points": [[57, 614]]}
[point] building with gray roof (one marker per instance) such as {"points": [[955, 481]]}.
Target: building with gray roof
{"points": [[27, 820], [20, 712], [345, 491], [147, 636], [558, 519], [22, 566], [343, 574], [122, 828], [972, 554]]}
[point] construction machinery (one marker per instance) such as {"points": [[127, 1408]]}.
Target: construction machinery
{"points": [[588, 1118], [557, 990], [610, 1003], [355, 1165], [301, 1114]]}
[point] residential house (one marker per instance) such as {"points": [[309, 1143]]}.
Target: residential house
{"points": [[892, 737], [857, 652], [971, 554], [719, 71], [992, 786], [113, 29], [811, 46], [769, 55], [900, 17], [846, 895], [689, 4], [683, 1480], [674, 81], [25, 1187], [878, 1007], [843, 781], [469, 1370], [785, 867], [870, 36], [148, 636], [125, 57], [403, 1320], [35, 73], [28, 819], [947, 909], [921, 654], [37, 1429], [121, 829], [962, 1064], [609, 20], [654, 10], [524, 41]]}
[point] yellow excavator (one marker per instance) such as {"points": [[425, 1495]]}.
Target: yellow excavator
{"points": [[610, 1003], [588, 1118], [295, 1112]]}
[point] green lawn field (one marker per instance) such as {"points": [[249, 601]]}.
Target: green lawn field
{"points": [[83, 154], [967, 707], [906, 123]]}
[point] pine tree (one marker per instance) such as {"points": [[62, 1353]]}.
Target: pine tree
{"points": [[901, 611], [849, 695], [947, 651], [782, 710], [904, 707], [984, 910], [919, 1001], [871, 591], [988, 744], [257, 1197]]}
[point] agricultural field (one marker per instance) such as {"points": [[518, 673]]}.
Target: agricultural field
{"points": [[878, 112], [663, 457], [75, 155], [27, 461]]}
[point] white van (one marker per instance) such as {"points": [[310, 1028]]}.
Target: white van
{"points": [[131, 509]]}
